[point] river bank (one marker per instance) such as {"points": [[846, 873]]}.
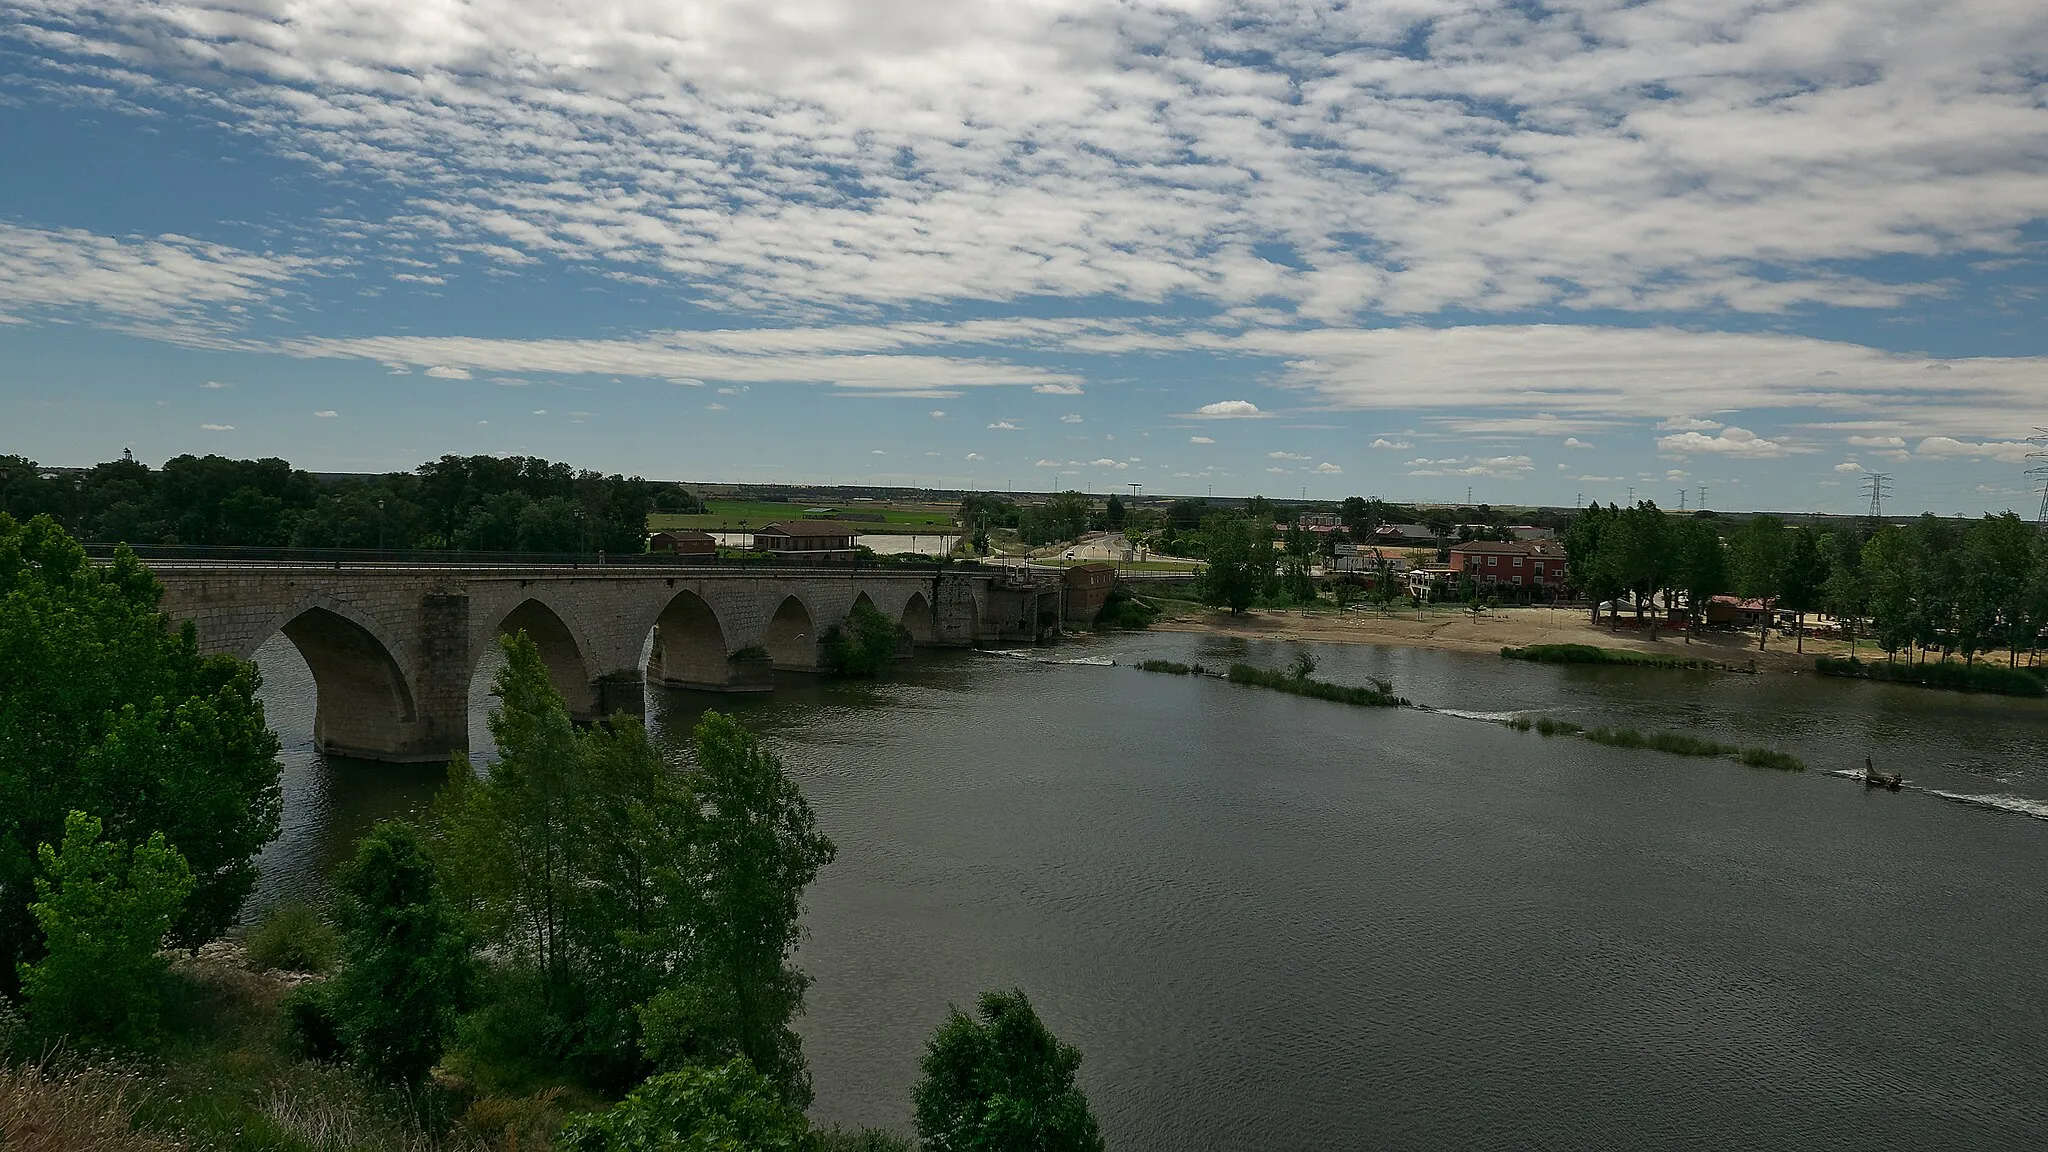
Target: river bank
{"points": [[1461, 631]]}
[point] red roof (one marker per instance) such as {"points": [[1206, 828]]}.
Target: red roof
{"points": [[807, 528]]}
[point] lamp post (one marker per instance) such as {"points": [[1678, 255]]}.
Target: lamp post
{"points": [[380, 525]]}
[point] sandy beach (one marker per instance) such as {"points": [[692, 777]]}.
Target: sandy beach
{"points": [[1503, 627]]}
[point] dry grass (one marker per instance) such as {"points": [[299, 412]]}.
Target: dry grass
{"points": [[42, 1110]]}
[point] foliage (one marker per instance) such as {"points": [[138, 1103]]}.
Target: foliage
{"points": [[1122, 609], [865, 645], [1588, 654], [1169, 667], [1546, 726], [45, 1109], [1676, 743], [1766, 758], [1989, 678], [987, 510], [1380, 695], [294, 937], [408, 973], [104, 710], [727, 1108], [1240, 562], [104, 911], [1001, 1082], [1059, 519], [862, 1140]]}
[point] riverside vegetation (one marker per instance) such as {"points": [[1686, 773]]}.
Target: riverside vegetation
{"points": [[584, 948]]}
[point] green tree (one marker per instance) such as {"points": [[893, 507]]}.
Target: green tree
{"points": [[1002, 1082], [1062, 518], [1757, 559], [408, 972], [755, 849], [1998, 562], [1804, 576], [1240, 562], [1590, 558], [726, 1108], [1701, 568], [104, 912], [104, 709], [1113, 513], [1891, 570], [865, 645]]}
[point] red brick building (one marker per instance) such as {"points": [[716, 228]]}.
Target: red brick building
{"points": [[808, 541], [683, 542], [1535, 566], [1087, 588]]}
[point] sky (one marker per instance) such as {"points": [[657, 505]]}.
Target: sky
{"points": [[1746, 253]]}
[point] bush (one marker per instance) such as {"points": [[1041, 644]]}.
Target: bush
{"points": [[1167, 666], [408, 971], [294, 938], [307, 1019], [1521, 724], [1380, 695], [730, 1108], [104, 912], [1548, 727], [1766, 758], [1124, 610], [1990, 678], [864, 645], [1588, 654], [1003, 1081]]}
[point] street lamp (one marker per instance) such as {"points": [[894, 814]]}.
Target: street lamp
{"points": [[380, 525]]}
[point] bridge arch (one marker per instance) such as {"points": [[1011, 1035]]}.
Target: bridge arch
{"points": [[363, 702], [568, 666], [792, 637], [917, 618], [690, 649]]}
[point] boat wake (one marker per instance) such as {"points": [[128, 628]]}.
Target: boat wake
{"points": [[1462, 714], [1035, 658], [2020, 805]]}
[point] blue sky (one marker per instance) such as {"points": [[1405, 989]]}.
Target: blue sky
{"points": [[1403, 249]]}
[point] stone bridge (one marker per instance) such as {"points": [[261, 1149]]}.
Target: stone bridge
{"points": [[393, 646]]}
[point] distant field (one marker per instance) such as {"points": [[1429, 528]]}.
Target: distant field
{"points": [[726, 515]]}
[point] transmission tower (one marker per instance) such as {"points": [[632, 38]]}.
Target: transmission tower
{"points": [[2040, 472], [1681, 499], [1880, 486]]}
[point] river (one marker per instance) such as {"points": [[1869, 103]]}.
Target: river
{"points": [[1277, 923]]}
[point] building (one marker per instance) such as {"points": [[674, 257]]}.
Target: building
{"points": [[1535, 565], [1531, 532], [1403, 534], [1367, 561], [1087, 589], [683, 542], [808, 541], [1321, 520], [1731, 610], [1425, 580]]}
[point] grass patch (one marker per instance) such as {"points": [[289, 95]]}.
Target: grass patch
{"points": [[1170, 667], [1380, 695], [1588, 654], [1123, 609], [294, 938], [1673, 743], [1988, 678]]}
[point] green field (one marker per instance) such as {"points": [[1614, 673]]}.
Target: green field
{"points": [[745, 515]]}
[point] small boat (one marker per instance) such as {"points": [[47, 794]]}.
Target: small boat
{"points": [[1872, 778]]}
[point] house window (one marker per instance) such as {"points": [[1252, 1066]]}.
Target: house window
{"points": [[1539, 567], [1493, 561], [1518, 561], [1518, 579]]}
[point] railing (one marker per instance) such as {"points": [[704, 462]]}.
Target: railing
{"points": [[200, 555]]}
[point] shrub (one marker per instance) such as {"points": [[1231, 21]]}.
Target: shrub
{"points": [[294, 938], [864, 645], [1766, 758], [1588, 654], [1003, 1081], [1520, 723], [1380, 695], [1549, 727], [729, 1107], [408, 971], [1990, 678], [1167, 666], [1123, 609], [104, 912], [307, 1020]]}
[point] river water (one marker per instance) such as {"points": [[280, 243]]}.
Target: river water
{"points": [[1277, 923]]}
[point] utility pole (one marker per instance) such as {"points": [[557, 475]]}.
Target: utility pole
{"points": [[1681, 499], [1703, 497], [1631, 495], [1879, 486], [1579, 502], [1135, 485]]}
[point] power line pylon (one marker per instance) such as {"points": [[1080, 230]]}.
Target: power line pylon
{"points": [[2040, 472], [1879, 485]]}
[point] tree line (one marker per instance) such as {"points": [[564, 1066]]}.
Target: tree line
{"points": [[469, 503], [582, 914], [1937, 585]]}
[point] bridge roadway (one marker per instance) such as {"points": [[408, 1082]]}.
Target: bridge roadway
{"points": [[393, 646]]}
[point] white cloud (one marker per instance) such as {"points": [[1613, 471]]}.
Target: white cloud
{"points": [[540, 411], [1057, 389], [2011, 452], [1328, 468], [216, 385], [1599, 479], [876, 452], [1285, 456], [1731, 441], [729, 390], [1227, 409], [145, 281], [1876, 442], [938, 413], [1071, 418], [973, 456], [1688, 424], [1496, 467], [833, 151], [1004, 426], [1395, 445], [714, 406], [1106, 462], [1048, 464], [327, 414], [1575, 442], [1848, 466], [446, 372], [217, 427], [1201, 440]]}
